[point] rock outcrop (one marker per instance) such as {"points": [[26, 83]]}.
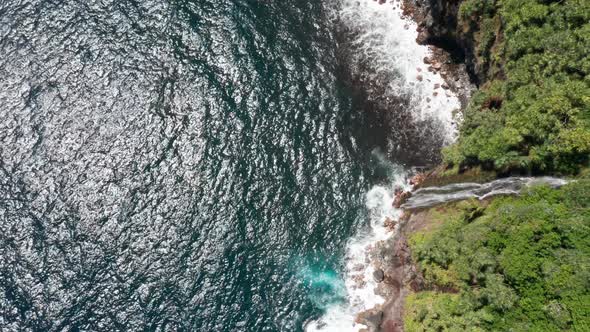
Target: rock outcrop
{"points": [[451, 45], [397, 276], [439, 25]]}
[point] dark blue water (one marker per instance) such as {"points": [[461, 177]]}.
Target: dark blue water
{"points": [[179, 165]]}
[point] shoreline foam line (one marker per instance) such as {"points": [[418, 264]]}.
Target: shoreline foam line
{"points": [[359, 282], [386, 40]]}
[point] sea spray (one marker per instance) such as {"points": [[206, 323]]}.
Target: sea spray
{"points": [[358, 274], [384, 48], [385, 52], [326, 287]]}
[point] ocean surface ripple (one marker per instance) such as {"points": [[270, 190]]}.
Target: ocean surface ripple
{"points": [[184, 165]]}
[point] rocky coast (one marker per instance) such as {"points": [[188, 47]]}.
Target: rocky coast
{"points": [[480, 262], [396, 273]]}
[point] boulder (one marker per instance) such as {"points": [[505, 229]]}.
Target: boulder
{"points": [[371, 318], [378, 275], [422, 38], [400, 198], [389, 224], [417, 179]]}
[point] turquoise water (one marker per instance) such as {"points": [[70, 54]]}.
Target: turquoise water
{"points": [[183, 165]]}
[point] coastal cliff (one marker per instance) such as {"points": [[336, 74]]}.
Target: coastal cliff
{"points": [[439, 25], [508, 262], [530, 62]]}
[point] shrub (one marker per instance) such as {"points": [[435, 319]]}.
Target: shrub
{"points": [[470, 8], [522, 264], [536, 116]]}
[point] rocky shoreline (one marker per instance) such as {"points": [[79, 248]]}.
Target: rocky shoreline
{"points": [[439, 25], [453, 59], [455, 37], [394, 270], [448, 58]]}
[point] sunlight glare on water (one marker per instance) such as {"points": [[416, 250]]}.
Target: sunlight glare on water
{"points": [[197, 165]]}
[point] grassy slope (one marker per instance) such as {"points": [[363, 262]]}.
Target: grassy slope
{"points": [[517, 264]]}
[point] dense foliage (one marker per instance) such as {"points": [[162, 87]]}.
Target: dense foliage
{"points": [[533, 113], [518, 264]]}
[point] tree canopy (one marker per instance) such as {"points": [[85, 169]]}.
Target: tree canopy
{"points": [[533, 113]]}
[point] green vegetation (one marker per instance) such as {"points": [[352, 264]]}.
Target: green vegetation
{"points": [[441, 176], [533, 113], [516, 264]]}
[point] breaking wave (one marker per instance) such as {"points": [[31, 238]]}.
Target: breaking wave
{"points": [[385, 56]]}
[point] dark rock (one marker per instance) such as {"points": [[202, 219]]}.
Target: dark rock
{"points": [[429, 22], [371, 318], [444, 29], [401, 198], [378, 275], [389, 224]]}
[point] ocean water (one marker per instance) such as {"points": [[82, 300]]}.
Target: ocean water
{"points": [[204, 165]]}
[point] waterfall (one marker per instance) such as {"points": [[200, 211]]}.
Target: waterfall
{"points": [[431, 196], [385, 50]]}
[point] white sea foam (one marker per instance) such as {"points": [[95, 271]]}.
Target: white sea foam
{"points": [[359, 282], [385, 40]]}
